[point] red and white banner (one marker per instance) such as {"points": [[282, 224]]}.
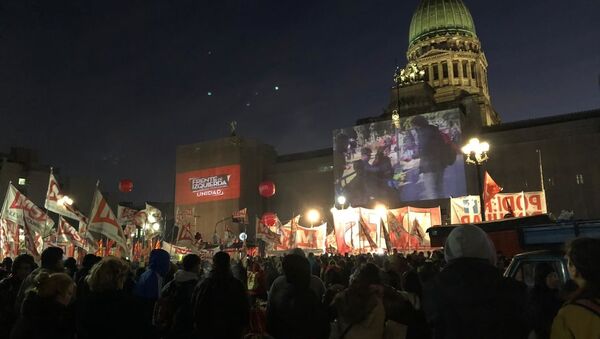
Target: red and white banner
{"points": [[185, 235], [104, 222], [9, 238], [56, 202], [34, 243], [174, 249], [20, 210], [68, 234], [346, 226], [240, 216], [360, 229], [90, 242], [502, 205], [265, 233], [313, 238], [126, 215]]}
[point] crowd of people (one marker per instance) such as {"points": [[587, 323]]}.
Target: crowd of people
{"points": [[459, 292]]}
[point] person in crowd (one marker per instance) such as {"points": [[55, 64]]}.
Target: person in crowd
{"points": [[544, 301], [294, 311], [257, 283], [412, 288], [390, 276], [106, 311], [149, 285], [316, 285], [315, 266], [44, 313], [89, 260], [359, 310], [5, 267], [469, 298], [220, 304], [9, 287], [173, 311], [52, 262], [70, 267], [431, 146], [333, 275], [580, 317]]}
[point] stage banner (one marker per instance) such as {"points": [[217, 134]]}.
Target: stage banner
{"points": [[347, 228], [415, 221], [465, 210], [213, 184], [372, 221], [399, 236], [20, 210], [311, 237], [174, 249], [516, 204]]}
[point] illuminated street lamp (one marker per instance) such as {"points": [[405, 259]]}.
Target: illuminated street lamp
{"points": [[477, 153], [341, 200], [313, 216], [381, 210]]}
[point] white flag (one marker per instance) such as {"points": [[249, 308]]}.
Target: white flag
{"points": [[90, 243], [57, 203], [103, 221], [20, 210], [68, 234]]}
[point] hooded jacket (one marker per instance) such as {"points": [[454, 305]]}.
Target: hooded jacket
{"points": [[43, 318], [151, 282], [470, 298]]}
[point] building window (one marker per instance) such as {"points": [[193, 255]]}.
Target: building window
{"points": [[444, 70], [436, 74], [473, 71], [22, 181], [579, 179], [465, 74], [426, 75], [455, 69]]}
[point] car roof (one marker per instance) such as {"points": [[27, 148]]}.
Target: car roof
{"points": [[540, 254]]}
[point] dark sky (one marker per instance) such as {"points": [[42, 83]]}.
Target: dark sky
{"points": [[108, 88]]}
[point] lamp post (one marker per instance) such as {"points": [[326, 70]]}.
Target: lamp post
{"points": [[477, 153]]}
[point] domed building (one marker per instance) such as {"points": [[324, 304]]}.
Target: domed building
{"points": [[444, 47]]}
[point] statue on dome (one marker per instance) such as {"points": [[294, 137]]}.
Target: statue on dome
{"points": [[411, 74]]}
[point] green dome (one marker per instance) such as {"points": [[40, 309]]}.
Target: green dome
{"points": [[434, 17]]}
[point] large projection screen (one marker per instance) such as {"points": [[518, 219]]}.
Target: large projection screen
{"points": [[417, 159]]}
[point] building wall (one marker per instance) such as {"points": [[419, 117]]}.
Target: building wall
{"points": [[254, 159]]}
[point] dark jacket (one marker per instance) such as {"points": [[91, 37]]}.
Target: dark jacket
{"points": [[431, 147], [108, 314], [43, 318], [178, 295], [295, 312], [470, 299], [9, 287], [220, 307]]}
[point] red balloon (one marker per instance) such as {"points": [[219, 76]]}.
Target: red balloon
{"points": [[125, 185], [269, 219], [266, 189]]}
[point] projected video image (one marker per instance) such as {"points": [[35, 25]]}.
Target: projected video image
{"points": [[419, 159]]}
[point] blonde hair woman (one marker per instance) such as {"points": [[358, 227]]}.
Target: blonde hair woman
{"points": [[107, 308], [44, 312]]}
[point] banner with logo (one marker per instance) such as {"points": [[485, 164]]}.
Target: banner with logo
{"points": [[174, 249], [213, 184], [502, 205], [311, 237], [104, 221], [465, 210], [265, 233], [415, 222], [68, 234], [22, 211], [9, 238]]}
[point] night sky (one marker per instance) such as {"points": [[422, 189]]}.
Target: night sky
{"points": [[109, 88]]}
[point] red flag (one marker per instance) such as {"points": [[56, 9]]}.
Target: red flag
{"points": [[490, 188]]}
